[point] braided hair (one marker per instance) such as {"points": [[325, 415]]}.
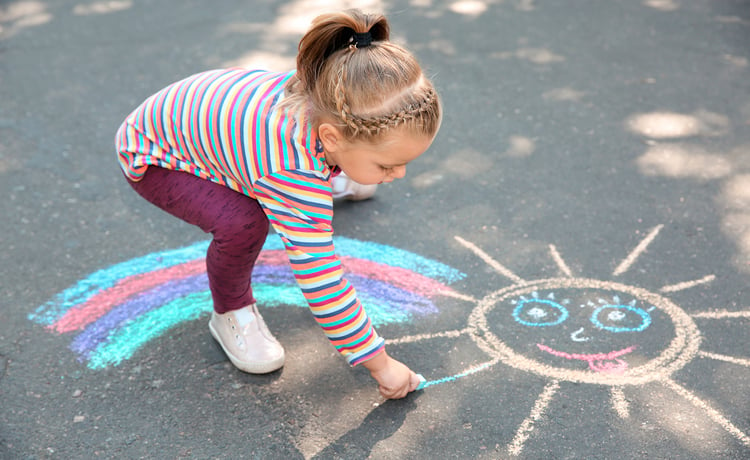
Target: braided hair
{"points": [[349, 73]]}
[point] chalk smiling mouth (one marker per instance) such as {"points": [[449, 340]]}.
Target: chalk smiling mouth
{"points": [[598, 362]]}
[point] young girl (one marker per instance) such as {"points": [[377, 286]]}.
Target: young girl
{"points": [[232, 150]]}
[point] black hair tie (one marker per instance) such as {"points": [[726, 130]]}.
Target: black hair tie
{"points": [[360, 40]]}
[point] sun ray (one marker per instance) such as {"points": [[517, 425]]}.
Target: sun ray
{"points": [[687, 284], [490, 261], [720, 314], [682, 349], [527, 426], [420, 337], [631, 258], [457, 295], [559, 261], [712, 413], [619, 403], [725, 358]]}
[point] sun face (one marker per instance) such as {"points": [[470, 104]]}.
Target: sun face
{"points": [[586, 330], [582, 330]]}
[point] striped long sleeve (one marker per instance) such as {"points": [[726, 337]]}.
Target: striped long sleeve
{"points": [[226, 126], [299, 206]]}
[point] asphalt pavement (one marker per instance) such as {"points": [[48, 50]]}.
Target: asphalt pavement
{"points": [[568, 266]]}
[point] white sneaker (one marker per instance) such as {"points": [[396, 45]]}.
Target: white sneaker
{"points": [[344, 187], [246, 340]]}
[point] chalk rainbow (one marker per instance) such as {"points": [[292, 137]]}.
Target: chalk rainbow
{"points": [[115, 311]]}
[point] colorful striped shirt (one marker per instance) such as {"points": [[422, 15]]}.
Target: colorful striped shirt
{"points": [[226, 126]]}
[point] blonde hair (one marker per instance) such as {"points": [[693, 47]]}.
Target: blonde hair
{"points": [[365, 90]]}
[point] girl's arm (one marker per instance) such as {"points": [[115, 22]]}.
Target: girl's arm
{"points": [[300, 208], [302, 217]]}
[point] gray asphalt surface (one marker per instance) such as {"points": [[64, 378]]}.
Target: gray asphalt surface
{"points": [[603, 146]]}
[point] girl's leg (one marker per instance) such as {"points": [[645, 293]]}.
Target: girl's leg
{"points": [[237, 222], [239, 228]]}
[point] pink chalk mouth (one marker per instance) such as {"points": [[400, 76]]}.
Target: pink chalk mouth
{"points": [[598, 362]]}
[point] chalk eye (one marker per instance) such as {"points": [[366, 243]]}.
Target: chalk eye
{"points": [[539, 312], [620, 318]]}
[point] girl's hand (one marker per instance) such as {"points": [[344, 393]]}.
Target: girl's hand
{"points": [[395, 380]]}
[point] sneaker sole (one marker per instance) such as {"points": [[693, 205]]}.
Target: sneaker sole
{"points": [[265, 367]]}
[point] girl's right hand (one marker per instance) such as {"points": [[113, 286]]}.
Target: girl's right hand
{"points": [[395, 380]]}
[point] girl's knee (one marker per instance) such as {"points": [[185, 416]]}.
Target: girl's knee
{"points": [[245, 221]]}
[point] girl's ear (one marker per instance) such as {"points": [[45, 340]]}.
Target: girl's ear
{"points": [[330, 137]]}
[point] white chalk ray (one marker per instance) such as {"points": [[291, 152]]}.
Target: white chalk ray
{"points": [[720, 314], [449, 334], [712, 413], [559, 261], [457, 295], [499, 268], [527, 426], [687, 284], [728, 359], [619, 402], [633, 256], [723, 314]]}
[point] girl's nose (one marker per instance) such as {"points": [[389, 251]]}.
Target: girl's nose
{"points": [[577, 336], [399, 172]]}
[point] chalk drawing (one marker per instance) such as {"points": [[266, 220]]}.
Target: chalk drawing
{"points": [[540, 406], [619, 403], [116, 311], [616, 318], [566, 330], [539, 312], [633, 256], [599, 362], [584, 330]]}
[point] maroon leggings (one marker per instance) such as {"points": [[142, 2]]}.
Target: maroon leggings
{"points": [[237, 222]]}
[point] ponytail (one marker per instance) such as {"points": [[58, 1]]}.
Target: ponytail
{"points": [[331, 33], [349, 73]]}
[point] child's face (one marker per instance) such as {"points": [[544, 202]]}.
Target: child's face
{"points": [[383, 161]]}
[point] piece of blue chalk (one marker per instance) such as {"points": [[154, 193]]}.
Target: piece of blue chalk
{"points": [[422, 382]]}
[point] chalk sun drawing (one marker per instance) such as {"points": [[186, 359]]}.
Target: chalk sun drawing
{"points": [[114, 312], [582, 330]]}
